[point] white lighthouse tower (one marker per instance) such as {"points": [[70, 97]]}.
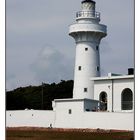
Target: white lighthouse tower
{"points": [[87, 33]]}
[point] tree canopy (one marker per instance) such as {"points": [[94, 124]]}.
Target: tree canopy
{"points": [[38, 97]]}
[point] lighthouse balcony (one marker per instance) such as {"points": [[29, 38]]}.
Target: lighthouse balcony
{"points": [[98, 28], [88, 14]]}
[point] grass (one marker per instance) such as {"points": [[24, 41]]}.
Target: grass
{"points": [[67, 135]]}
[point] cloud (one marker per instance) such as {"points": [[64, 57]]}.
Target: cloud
{"points": [[52, 66]]}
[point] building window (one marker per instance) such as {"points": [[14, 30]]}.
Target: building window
{"points": [[70, 111], [79, 68], [98, 68], [127, 99], [85, 89], [86, 49], [97, 48]]}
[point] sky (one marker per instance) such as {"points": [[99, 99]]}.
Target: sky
{"points": [[39, 49]]}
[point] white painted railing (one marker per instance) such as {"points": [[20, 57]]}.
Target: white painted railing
{"points": [[88, 14]]}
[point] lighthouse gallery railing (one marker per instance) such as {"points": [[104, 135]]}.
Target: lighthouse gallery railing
{"points": [[92, 14]]}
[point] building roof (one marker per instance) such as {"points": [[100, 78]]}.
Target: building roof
{"points": [[71, 100], [112, 77]]}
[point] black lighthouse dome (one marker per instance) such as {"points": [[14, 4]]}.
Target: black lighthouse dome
{"points": [[88, 1]]}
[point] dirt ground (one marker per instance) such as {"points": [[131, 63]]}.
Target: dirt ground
{"points": [[66, 134]]}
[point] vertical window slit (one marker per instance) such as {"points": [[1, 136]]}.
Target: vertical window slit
{"points": [[79, 68], [85, 89]]}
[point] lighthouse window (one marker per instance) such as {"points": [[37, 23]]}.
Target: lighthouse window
{"points": [[85, 89], [79, 68], [86, 49], [97, 48], [70, 111], [98, 68]]}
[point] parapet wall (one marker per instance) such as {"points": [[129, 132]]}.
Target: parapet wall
{"points": [[95, 120], [30, 118], [91, 120]]}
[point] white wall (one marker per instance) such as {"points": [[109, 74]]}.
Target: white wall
{"points": [[94, 120], [108, 120], [102, 120], [76, 105], [62, 112], [32, 118], [85, 119]]}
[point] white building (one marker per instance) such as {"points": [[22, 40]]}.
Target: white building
{"points": [[98, 102]]}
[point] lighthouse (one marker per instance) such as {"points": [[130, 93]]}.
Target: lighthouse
{"points": [[87, 32]]}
